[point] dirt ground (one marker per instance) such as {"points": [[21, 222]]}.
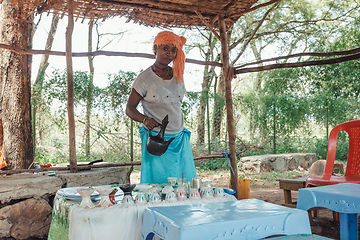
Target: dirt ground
{"points": [[266, 188]]}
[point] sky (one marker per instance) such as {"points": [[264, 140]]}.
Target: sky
{"points": [[136, 39]]}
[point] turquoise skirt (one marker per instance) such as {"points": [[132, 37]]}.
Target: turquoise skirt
{"points": [[177, 160]]}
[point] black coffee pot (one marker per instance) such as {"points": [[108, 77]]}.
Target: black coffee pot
{"points": [[157, 145]]}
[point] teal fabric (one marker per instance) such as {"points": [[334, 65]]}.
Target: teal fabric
{"points": [[176, 160]]}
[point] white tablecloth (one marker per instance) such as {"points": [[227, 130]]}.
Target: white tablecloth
{"points": [[118, 221]]}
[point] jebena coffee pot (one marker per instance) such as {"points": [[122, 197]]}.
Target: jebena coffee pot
{"points": [[157, 145]]}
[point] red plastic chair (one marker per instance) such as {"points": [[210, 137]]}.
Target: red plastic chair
{"points": [[352, 173]]}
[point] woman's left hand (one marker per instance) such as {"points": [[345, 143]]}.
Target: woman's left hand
{"points": [[150, 123]]}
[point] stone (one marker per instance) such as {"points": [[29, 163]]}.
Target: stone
{"points": [[276, 162], [96, 177], [25, 212], [29, 185], [26, 219], [339, 167], [318, 167], [5, 227]]}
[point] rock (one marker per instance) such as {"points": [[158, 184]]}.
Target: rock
{"points": [[318, 167], [96, 177], [339, 167], [24, 186], [25, 211], [26, 219], [276, 162], [5, 227]]}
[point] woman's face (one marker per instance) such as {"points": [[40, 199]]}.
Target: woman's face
{"points": [[165, 53]]}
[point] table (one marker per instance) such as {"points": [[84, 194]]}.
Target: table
{"points": [[243, 219], [343, 198], [69, 222], [289, 185], [301, 237]]}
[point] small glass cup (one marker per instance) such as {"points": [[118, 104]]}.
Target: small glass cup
{"points": [[172, 180], [155, 197], [140, 198], [128, 200], [207, 184], [194, 194], [170, 197], [181, 193], [207, 193], [219, 192]]}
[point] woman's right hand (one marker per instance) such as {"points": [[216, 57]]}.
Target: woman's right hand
{"points": [[150, 123]]}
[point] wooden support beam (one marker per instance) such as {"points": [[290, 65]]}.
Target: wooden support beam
{"points": [[298, 64], [229, 107], [99, 53], [208, 25], [107, 165], [70, 88]]}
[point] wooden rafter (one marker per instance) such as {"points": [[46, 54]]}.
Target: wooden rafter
{"points": [[298, 64], [170, 13], [313, 54], [208, 25]]}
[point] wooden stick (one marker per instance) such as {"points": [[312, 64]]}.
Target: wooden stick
{"points": [[98, 53], [314, 54], [70, 88], [262, 5], [207, 25], [229, 106], [85, 167], [209, 156], [298, 64]]}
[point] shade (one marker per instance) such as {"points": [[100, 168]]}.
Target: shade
{"points": [[173, 13]]}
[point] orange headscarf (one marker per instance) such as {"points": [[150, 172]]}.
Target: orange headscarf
{"points": [[166, 37]]}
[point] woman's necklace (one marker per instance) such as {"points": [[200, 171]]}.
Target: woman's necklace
{"points": [[162, 69], [157, 70]]}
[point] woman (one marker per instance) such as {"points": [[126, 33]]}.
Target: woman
{"points": [[160, 89]]}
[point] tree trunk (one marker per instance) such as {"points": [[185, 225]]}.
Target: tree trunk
{"points": [[202, 107], [37, 87], [219, 104], [90, 88], [257, 55], [209, 73], [15, 74]]}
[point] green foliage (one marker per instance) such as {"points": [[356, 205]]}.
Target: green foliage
{"points": [[212, 164], [274, 175], [190, 101], [56, 89], [286, 109], [115, 95]]}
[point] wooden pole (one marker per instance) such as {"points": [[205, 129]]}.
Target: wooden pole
{"points": [[229, 107], [70, 88]]}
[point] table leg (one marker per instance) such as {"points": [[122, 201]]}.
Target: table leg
{"points": [[287, 196], [348, 226]]}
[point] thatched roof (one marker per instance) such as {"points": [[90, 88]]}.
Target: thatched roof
{"points": [[161, 13]]}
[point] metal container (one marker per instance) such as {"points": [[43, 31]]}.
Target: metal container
{"points": [[196, 183]]}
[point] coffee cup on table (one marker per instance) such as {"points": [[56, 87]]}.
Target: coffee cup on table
{"points": [[172, 180], [219, 192], [181, 193], [140, 198], [194, 194]]}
